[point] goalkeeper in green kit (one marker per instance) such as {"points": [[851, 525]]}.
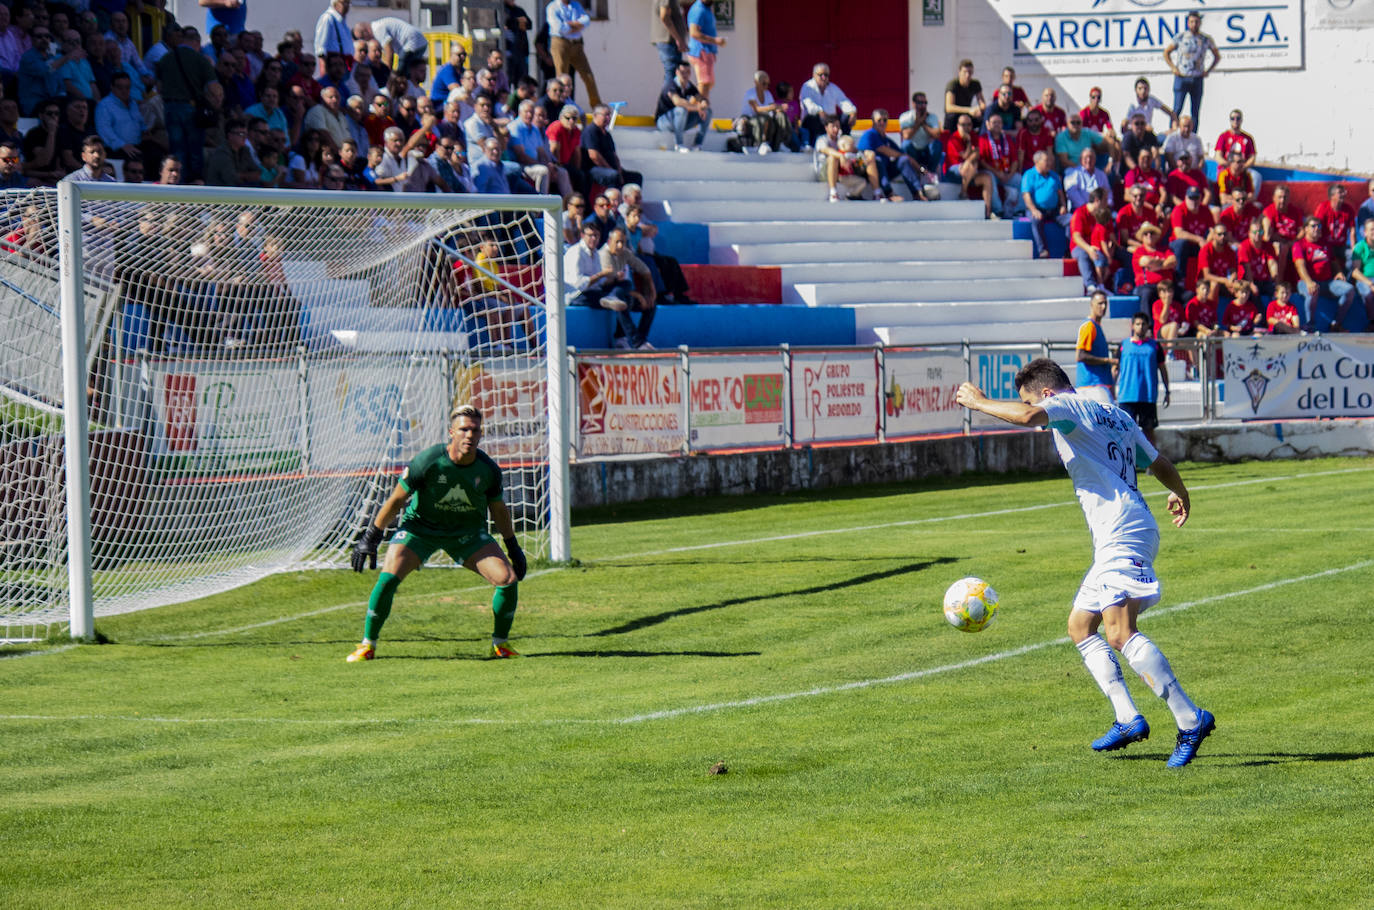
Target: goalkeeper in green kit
{"points": [[452, 489]]}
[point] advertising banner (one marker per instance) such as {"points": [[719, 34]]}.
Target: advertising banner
{"points": [[834, 396], [512, 395], [994, 371], [1091, 37], [1287, 376], [360, 408], [212, 417], [736, 401], [918, 392], [629, 406]]}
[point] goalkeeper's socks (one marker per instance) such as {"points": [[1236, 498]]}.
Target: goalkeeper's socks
{"points": [[1146, 659], [503, 603], [379, 605], [1101, 662]]}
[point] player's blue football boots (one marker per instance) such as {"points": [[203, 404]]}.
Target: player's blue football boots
{"points": [[1189, 740], [1122, 735]]}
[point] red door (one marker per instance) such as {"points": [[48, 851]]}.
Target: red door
{"points": [[864, 41]]}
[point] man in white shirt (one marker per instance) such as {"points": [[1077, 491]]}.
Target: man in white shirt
{"points": [[332, 35], [1080, 181], [593, 285], [1102, 448], [819, 97], [329, 116], [396, 36], [1182, 140]]}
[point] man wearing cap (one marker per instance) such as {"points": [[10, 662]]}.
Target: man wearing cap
{"points": [[1186, 176], [1191, 223]]}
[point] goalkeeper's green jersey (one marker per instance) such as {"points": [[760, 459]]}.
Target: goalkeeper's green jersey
{"points": [[448, 498]]}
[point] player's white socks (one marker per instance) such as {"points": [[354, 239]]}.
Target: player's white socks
{"points": [[1100, 660], [1146, 659]]}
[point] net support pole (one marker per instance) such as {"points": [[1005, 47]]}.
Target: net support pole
{"points": [[74, 411], [556, 364]]}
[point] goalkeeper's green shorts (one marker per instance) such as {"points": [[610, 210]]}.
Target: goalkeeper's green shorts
{"points": [[459, 547]]}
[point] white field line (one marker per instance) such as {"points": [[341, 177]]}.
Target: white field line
{"points": [[712, 707], [43, 653], [745, 542]]}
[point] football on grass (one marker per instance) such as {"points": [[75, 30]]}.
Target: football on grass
{"points": [[970, 605]]}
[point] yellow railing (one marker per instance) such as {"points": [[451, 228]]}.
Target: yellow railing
{"points": [[145, 25], [440, 43]]}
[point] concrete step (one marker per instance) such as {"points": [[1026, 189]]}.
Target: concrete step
{"points": [[854, 233], [741, 190], [967, 313], [848, 293], [820, 210], [656, 165], [1019, 332], [643, 137], [934, 250], [824, 272]]}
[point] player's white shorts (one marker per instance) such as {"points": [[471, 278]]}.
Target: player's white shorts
{"points": [[1099, 393], [1119, 574]]}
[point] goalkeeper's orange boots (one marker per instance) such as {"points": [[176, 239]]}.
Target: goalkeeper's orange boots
{"points": [[364, 651], [502, 649]]}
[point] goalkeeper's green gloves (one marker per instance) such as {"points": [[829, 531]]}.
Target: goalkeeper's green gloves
{"points": [[517, 558], [365, 550]]}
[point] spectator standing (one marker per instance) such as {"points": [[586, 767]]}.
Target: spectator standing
{"points": [[1192, 45], [599, 158], [822, 98], [517, 29], [963, 95], [231, 14], [1145, 105], [1093, 353], [1139, 372], [1042, 192], [921, 136], [183, 73], [398, 37], [332, 34], [703, 44], [567, 21], [668, 34], [681, 106]]}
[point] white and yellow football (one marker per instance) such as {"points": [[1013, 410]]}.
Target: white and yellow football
{"points": [[970, 604]]}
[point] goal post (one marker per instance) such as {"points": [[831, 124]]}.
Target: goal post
{"points": [[244, 373]]}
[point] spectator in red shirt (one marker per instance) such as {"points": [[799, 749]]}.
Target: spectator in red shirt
{"points": [[1153, 265], [1190, 223], [1282, 225], [1201, 311], [1259, 266], [1096, 117], [1135, 213], [1168, 314], [565, 143], [1216, 262], [1235, 139], [1018, 94], [1338, 222], [997, 150], [1321, 275], [1185, 177], [1055, 118], [1238, 215], [1282, 316], [1235, 176], [1147, 175], [1034, 138], [1240, 317], [1093, 262], [963, 164]]}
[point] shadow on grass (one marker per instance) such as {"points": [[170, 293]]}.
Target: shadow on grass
{"points": [[1258, 759], [654, 619], [587, 652]]}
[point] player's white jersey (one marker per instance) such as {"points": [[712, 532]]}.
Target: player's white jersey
{"points": [[1102, 447]]}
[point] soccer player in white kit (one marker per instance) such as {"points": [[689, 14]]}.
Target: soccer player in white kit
{"points": [[1102, 448]]}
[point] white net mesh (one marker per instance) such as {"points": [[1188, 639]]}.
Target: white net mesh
{"points": [[258, 376]]}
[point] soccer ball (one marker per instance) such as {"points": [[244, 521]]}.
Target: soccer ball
{"points": [[970, 605]]}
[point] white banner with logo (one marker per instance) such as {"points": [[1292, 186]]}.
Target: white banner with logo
{"points": [[629, 405], [1287, 376], [736, 400], [1342, 13], [834, 396], [357, 409], [1091, 37], [994, 371], [918, 392]]}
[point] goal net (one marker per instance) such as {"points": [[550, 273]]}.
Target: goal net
{"points": [[258, 368]]}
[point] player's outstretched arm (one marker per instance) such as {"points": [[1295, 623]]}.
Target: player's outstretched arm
{"points": [[1167, 474], [1015, 412], [365, 550], [501, 520]]}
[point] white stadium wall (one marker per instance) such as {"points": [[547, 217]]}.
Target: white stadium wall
{"points": [[1300, 77]]}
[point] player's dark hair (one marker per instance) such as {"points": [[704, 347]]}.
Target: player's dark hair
{"points": [[1042, 373], [465, 410]]}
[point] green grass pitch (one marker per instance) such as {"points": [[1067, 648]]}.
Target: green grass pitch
{"points": [[222, 754]]}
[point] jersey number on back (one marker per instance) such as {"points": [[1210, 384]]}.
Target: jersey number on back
{"points": [[1125, 461]]}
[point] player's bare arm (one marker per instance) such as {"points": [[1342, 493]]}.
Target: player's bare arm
{"points": [[1167, 474], [1020, 413]]}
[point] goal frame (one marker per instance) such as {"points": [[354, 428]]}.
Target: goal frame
{"points": [[70, 197]]}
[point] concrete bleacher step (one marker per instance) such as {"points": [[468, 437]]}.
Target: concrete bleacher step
{"points": [[909, 270], [801, 253], [820, 210], [853, 232], [676, 166], [643, 137], [848, 293], [1019, 332], [964, 312], [757, 191]]}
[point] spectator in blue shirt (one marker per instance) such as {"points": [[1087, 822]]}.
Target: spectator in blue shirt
{"points": [[38, 79], [489, 174], [118, 121], [566, 21], [703, 45], [450, 74], [229, 13], [1139, 371], [1043, 194], [76, 76], [891, 160]]}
